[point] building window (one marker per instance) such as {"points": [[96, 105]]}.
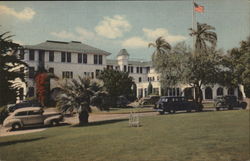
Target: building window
{"points": [[173, 92], [41, 56], [140, 69], [82, 58], [79, 58], [156, 91], [22, 54], [97, 59], [100, 59], [63, 57], [137, 69], [139, 79], [51, 56], [92, 75], [109, 66], [125, 68], [67, 74], [208, 93], [68, 57], [178, 91], [31, 55], [220, 91], [31, 92], [132, 69], [51, 70], [31, 72]]}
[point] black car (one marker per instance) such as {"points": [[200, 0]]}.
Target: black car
{"points": [[24, 104], [173, 104], [229, 102]]}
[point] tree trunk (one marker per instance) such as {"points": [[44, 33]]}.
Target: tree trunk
{"points": [[83, 117]]}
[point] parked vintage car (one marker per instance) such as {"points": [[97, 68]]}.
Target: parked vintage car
{"points": [[172, 104], [31, 116], [23, 104], [229, 102], [150, 100]]}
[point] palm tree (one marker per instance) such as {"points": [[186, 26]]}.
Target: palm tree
{"points": [[11, 67], [80, 95], [161, 45], [203, 35]]}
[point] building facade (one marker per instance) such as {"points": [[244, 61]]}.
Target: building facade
{"points": [[72, 59]]}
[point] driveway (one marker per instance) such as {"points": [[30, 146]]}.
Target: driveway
{"points": [[74, 120]]}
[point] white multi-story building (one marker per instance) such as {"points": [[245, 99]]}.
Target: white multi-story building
{"points": [[73, 59]]}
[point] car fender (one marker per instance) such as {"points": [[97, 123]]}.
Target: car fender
{"points": [[9, 123], [48, 120]]}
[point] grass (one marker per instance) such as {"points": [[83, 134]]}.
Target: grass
{"points": [[205, 136], [124, 110]]}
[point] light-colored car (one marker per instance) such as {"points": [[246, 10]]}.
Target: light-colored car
{"points": [[31, 116]]}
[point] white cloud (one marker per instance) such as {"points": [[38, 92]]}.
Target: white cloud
{"points": [[25, 14], [84, 33], [80, 34], [113, 27], [154, 34], [63, 35], [134, 42]]}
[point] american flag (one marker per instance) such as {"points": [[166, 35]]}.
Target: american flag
{"points": [[198, 8]]}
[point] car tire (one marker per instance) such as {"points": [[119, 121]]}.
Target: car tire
{"points": [[243, 105], [189, 111], [217, 108], [54, 123], [16, 126]]}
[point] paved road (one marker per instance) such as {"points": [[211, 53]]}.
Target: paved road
{"points": [[74, 120]]}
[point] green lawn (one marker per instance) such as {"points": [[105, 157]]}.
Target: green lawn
{"points": [[124, 110], [205, 136]]}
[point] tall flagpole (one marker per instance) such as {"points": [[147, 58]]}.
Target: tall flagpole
{"points": [[193, 23]]}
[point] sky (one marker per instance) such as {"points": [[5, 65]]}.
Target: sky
{"points": [[114, 25]]}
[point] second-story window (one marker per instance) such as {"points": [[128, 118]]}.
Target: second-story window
{"points": [[41, 56], [125, 68], [82, 58], [51, 56], [63, 57], [68, 57], [137, 69], [139, 79], [32, 55], [79, 58], [97, 59], [140, 69]]}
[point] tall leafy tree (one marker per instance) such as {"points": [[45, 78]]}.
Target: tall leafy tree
{"points": [[203, 36], [80, 94], [237, 67], [10, 68], [117, 83]]}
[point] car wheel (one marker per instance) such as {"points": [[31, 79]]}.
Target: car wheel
{"points": [[243, 105], [16, 126], [54, 123], [217, 108], [189, 110]]}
